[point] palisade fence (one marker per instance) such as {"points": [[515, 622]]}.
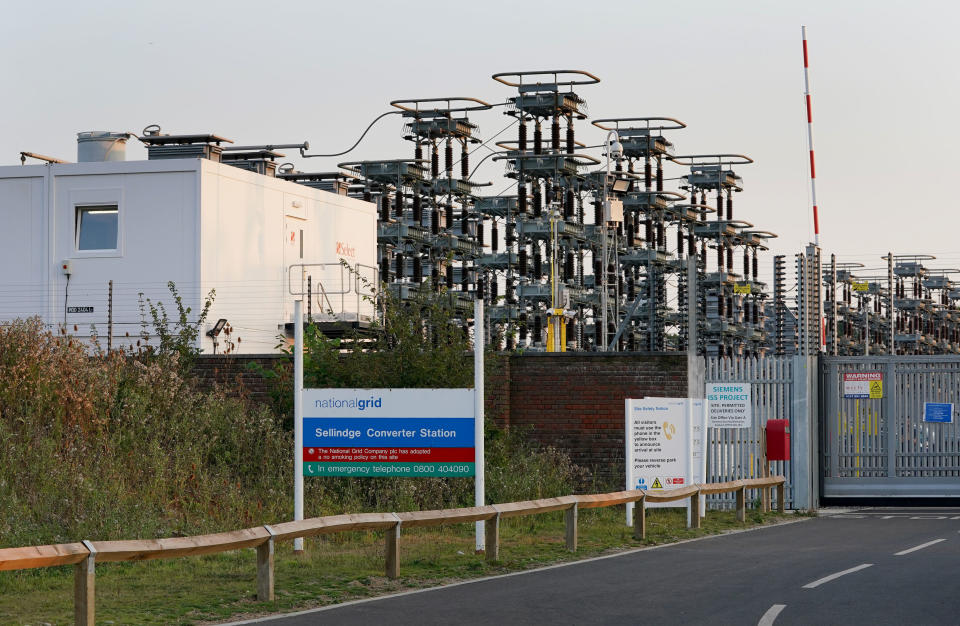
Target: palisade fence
{"points": [[782, 387], [86, 554]]}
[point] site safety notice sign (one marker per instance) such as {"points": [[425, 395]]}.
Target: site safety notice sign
{"points": [[388, 432], [863, 385], [729, 405]]}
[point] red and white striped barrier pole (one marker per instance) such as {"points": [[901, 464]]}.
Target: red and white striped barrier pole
{"points": [[813, 169]]}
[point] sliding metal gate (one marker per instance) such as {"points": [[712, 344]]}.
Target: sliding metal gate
{"points": [[881, 446]]}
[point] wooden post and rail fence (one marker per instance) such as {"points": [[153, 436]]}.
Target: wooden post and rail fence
{"points": [[86, 554]]}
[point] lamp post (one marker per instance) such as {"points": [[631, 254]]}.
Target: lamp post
{"points": [[613, 148]]}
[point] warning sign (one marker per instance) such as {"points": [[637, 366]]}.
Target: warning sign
{"points": [[656, 484], [861, 285], [863, 385], [744, 289]]}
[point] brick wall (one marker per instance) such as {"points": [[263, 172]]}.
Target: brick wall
{"points": [[573, 401], [233, 373]]}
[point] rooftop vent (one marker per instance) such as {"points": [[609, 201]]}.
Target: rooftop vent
{"points": [[162, 146], [259, 161], [334, 182]]}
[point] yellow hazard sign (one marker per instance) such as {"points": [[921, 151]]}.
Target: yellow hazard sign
{"points": [[744, 289], [876, 389], [861, 285], [657, 484]]}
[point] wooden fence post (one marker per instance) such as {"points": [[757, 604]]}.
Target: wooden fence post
{"points": [[265, 568], [84, 587], [570, 517], [640, 519], [695, 510], [780, 504], [765, 472], [492, 541], [742, 504], [393, 550]]}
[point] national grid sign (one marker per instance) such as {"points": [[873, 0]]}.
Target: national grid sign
{"points": [[388, 432]]}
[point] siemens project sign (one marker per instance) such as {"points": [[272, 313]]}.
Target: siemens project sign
{"points": [[388, 432]]}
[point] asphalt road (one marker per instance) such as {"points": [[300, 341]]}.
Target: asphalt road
{"points": [[873, 566]]}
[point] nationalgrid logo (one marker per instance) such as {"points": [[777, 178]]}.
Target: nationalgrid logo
{"points": [[353, 403]]}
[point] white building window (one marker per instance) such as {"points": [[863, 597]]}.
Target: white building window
{"points": [[97, 227]]}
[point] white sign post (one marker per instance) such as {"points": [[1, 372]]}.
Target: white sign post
{"points": [[479, 487], [665, 445], [298, 419], [729, 405]]}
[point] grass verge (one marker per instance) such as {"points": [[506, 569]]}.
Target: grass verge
{"points": [[335, 568]]}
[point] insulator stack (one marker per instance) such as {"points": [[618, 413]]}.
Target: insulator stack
{"points": [[730, 205], [571, 144], [555, 134], [464, 163], [746, 264], [398, 204], [417, 269], [568, 206], [522, 330], [385, 207], [449, 276], [494, 236], [417, 210], [434, 222], [537, 262], [568, 266], [435, 162], [448, 157], [537, 138], [367, 196], [398, 260], [522, 136], [384, 268], [481, 227], [659, 174], [522, 198], [647, 174], [522, 260]]}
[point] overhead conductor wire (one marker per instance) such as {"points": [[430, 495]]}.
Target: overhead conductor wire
{"points": [[813, 169]]}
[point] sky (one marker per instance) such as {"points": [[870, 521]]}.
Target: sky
{"points": [[884, 83]]}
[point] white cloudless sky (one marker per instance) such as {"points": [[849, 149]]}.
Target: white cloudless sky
{"points": [[884, 79]]}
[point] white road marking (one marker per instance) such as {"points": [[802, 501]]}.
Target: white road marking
{"points": [[827, 579], [920, 547], [771, 614]]}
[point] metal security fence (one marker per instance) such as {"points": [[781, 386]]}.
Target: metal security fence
{"points": [[880, 445], [737, 453]]}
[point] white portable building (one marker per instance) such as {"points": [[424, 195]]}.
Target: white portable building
{"points": [[68, 229]]}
